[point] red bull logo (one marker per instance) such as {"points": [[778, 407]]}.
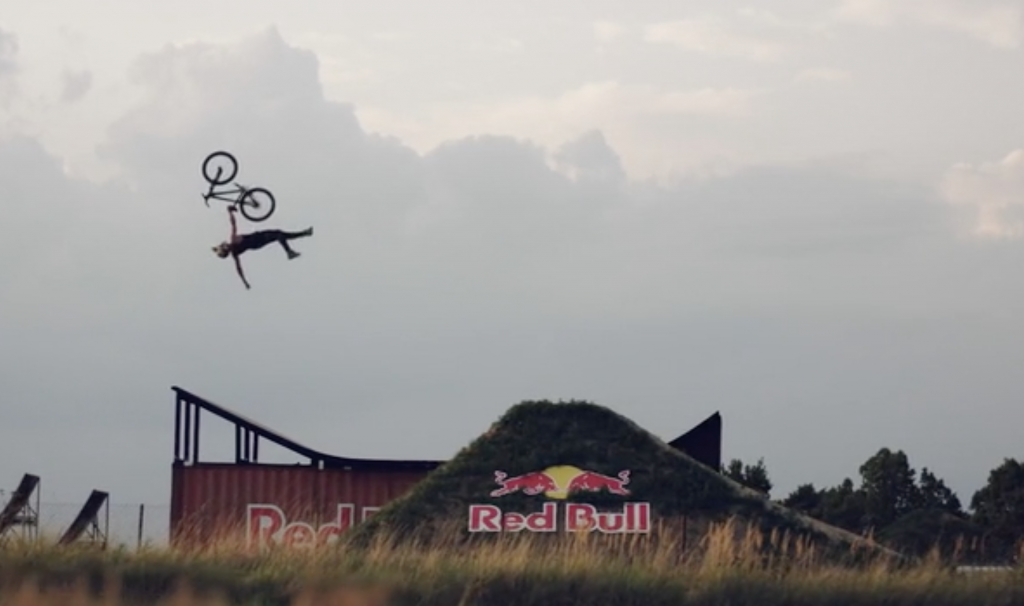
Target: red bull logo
{"points": [[559, 482], [532, 483]]}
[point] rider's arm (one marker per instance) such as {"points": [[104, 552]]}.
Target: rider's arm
{"points": [[234, 226], [241, 274]]}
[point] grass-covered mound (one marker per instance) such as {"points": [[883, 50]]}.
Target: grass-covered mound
{"points": [[537, 435]]}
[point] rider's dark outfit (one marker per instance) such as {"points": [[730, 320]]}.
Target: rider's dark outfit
{"points": [[259, 239]]}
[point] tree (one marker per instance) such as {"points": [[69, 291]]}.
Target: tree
{"points": [[841, 505], [889, 487], [805, 498], [909, 515], [923, 529], [934, 494], [752, 476], [999, 505], [845, 506]]}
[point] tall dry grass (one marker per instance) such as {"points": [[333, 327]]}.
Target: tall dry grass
{"points": [[727, 566]]}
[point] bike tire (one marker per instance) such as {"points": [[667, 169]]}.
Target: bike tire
{"points": [[248, 203], [210, 168]]}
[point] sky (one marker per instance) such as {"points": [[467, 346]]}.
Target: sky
{"points": [[805, 215]]}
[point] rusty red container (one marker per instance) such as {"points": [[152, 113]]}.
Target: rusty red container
{"points": [[266, 505], [263, 504]]}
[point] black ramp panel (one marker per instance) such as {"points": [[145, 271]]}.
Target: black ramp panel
{"points": [[85, 517], [18, 501], [703, 442]]}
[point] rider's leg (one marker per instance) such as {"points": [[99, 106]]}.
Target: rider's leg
{"points": [[291, 235], [284, 236]]}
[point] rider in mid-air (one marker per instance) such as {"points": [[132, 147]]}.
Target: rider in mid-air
{"points": [[238, 244]]}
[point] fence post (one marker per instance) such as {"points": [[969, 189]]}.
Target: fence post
{"points": [[142, 515]]}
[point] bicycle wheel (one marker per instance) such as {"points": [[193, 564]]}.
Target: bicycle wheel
{"points": [[257, 204], [223, 162]]}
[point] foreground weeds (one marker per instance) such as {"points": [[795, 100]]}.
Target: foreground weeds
{"points": [[513, 571]]}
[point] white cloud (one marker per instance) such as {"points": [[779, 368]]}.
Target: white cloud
{"points": [[608, 31], [999, 24], [497, 45], [621, 111], [75, 85], [771, 20], [711, 35], [589, 158], [823, 74], [8, 65], [991, 193], [754, 34], [878, 13], [389, 36]]}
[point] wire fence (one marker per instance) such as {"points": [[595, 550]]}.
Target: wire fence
{"points": [[125, 525]]}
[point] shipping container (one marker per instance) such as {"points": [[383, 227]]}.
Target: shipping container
{"points": [[306, 503], [260, 503]]}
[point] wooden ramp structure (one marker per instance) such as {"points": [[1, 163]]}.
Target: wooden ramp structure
{"points": [[19, 515], [86, 523]]}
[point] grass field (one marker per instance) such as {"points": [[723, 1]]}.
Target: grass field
{"points": [[518, 570]]}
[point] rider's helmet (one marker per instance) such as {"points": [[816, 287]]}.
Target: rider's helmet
{"points": [[222, 249]]}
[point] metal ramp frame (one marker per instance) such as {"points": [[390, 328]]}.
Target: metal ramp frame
{"points": [[248, 434], [87, 524], [19, 514]]}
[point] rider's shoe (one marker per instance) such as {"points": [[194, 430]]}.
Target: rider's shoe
{"points": [[293, 255]]}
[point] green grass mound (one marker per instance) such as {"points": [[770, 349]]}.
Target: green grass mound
{"points": [[534, 436]]}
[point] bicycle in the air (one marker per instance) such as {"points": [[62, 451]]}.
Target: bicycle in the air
{"points": [[255, 203]]}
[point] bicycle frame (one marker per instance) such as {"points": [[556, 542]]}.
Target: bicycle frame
{"points": [[239, 191]]}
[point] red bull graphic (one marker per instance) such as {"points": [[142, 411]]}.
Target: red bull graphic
{"points": [[490, 518], [532, 483], [558, 482], [592, 482], [267, 525], [579, 517]]}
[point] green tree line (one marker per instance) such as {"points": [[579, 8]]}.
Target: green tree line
{"points": [[912, 512]]}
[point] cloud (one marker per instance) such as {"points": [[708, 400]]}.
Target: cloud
{"points": [[608, 31], [590, 158], [756, 35], [769, 20], [878, 13], [72, 37], [998, 24], [75, 85], [344, 60], [823, 74], [9, 66], [991, 195], [622, 112], [498, 45], [711, 35]]}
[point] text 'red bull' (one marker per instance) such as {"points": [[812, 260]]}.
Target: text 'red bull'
{"points": [[579, 517], [267, 525]]}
